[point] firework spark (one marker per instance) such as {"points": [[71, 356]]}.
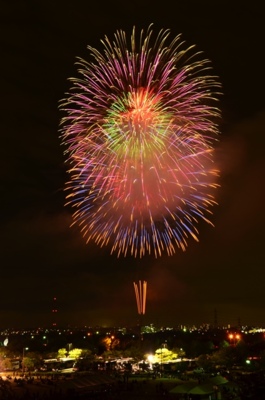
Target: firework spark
{"points": [[140, 295], [139, 131]]}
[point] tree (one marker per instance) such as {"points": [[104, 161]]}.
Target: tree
{"points": [[162, 355], [85, 361], [36, 360], [62, 353], [5, 363], [86, 353], [179, 352], [75, 353], [205, 361], [223, 344], [110, 342], [227, 356], [28, 364], [112, 354]]}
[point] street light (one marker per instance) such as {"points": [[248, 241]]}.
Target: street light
{"points": [[23, 355], [150, 359], [234, 338]]}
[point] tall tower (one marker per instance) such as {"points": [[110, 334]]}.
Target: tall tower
{"points": [[54, 312], [140, 290]]}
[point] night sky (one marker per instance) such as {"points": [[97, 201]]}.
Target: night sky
{"points": [[42, 257]]}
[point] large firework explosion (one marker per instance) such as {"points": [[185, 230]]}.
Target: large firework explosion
{"points": [[139, 131]]}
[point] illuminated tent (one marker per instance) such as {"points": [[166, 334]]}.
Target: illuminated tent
{"points": [[185, 388], [217, 380], [210, 386], [203, 389]]}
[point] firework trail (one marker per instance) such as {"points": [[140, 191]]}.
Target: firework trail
{"points": [[140, 295], [139, 128]]}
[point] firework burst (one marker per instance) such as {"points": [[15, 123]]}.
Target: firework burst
{"points": [[139, 131]]}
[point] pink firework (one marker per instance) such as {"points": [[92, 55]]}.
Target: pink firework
{"points": [[139, 131]]}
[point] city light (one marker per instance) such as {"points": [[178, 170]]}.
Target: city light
{"points": [[234, 338]]}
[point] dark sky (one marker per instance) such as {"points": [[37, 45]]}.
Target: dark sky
{"points": [[42, 257]]}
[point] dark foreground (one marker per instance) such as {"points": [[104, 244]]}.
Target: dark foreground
{"points": [[103, 386], [92, 386]]}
